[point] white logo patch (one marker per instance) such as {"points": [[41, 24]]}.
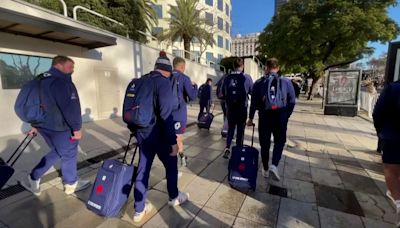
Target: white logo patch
{"points": [[177, 125], [73, 96]]}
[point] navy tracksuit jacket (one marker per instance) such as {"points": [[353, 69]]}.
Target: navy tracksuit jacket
{"points": [[271, 121]]}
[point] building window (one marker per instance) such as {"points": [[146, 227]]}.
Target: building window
{"points": [[158, 10], [227, 27], [227, 10], [220, 57], [16, 70], [176, 52], [194, 55], [220, 42], [227, 45], [210, 2], [220, 24], [195, 40], [209, 18], [221, 5], [156, 31], [210, 56]]}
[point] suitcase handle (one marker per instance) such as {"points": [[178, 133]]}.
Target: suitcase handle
{"points": [[252, 136], [128, 148], [22, 151]]}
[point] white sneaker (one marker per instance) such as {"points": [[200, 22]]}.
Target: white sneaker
{"points": [[275, 173], [76, 187], [265, 174], [184, 161], [180, 174], [138, 216], [182, 197], [31, 185]]}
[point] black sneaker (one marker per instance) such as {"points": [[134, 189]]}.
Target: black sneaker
{"points": [[184, 161], [227, 152]]}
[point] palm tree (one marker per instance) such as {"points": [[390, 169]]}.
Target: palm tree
{"points": [[147, 12], [186, 25]]}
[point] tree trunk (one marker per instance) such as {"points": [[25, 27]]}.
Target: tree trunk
{"points": [[315, 76], [186, 46]]}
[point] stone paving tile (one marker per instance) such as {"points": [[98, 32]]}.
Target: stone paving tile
{"points": [[326, 177], [80, 218], [334, 219], [174, 216], [195, 166], [193, 151], [46, 210], [299, 172], [183, 181], [297, 214], [209, 154], [244, 223], [323, 163], [371, 223], [226, 199], [201, 189], [261, 208], [300, 190], [338, 199], [359, 183], [114, 222], [216, 171], [376, 207], [208, 217]]}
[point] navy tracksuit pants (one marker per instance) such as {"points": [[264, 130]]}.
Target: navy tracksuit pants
{"points": [[272, 122], [151, 144], [61, 147], [236, 119]]}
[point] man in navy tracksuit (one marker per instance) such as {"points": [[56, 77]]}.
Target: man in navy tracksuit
{"points": [[61, 129], [271, 121], [158, 139], [220, 94], [187, 91], [205, 96], [387, 124], [236, 88]]}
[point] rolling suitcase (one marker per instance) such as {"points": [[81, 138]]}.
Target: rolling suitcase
{"points": [[205, 120], [6, 168], [113, 185], [243, 166]]}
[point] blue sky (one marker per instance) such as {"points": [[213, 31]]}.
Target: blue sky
{"points": [[249, 18]]}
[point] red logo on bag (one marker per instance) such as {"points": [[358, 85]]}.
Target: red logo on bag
{"points": [[242, 167], [99, 189], [274, 107]]}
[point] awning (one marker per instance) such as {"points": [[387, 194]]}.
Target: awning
{"points": [[53, 30]]}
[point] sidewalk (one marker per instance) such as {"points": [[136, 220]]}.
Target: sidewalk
{"points": [[330, 173]]}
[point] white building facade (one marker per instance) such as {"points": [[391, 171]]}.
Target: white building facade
{"points": [[218, 16], [245, 45]]}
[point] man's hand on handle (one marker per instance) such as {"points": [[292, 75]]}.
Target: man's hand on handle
{"points": [[77, 135], [33, 131], [250, 123]]}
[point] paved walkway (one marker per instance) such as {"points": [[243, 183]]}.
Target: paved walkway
{"points": [[330, 173]]}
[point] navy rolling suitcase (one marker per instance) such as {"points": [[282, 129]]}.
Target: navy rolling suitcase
{"points": [[112, 187], [243, 166], [205, 120], [6, 168]]}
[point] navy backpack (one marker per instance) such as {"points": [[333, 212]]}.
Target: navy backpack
{"points": [[235, 91], [275, 93], [29, 105], [138, 107]]}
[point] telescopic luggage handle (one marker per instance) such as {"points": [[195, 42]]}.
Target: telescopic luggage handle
{"points": [[252, 136], [22, 151], [128, 148]]}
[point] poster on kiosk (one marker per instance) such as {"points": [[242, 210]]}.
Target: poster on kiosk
{"points": [[343, 88]]}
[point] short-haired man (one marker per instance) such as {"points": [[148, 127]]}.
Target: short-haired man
{"points": [[187, 91], [205, 96], [158, 138], [272, 121], [61, 129]]}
